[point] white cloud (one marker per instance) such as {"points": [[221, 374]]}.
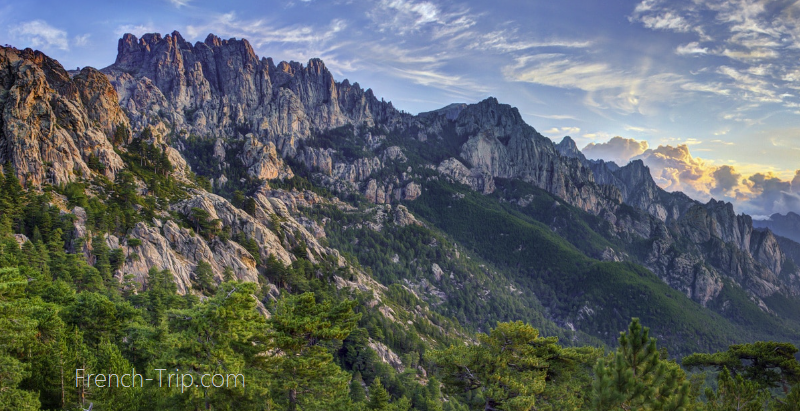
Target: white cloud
{"points": [[38, 33], [505, 41], [639, 129], [619, 150], [759, 38], [260, 32], [666, 21], [562, 131], [715, 88], [82, 40], [402, 16], [606, 86], [754, 54], [135, 29], [180, 3], [559, 70], [555, 116], [692, 48]]}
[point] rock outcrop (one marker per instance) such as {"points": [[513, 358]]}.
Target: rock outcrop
{"points": [[478, 178], [52, 125], [221, 87], [262, 160], [500, 144]]}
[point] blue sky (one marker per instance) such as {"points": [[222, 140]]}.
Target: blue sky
{"points": [[706, 92]]}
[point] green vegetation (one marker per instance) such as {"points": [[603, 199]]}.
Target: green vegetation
{"points": [[595, 296], [512, 368], [636, 377], [406, 255], [317, 350]]}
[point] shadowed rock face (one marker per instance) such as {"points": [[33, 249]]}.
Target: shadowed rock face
{"points": [[219, 86], [50, 124]]}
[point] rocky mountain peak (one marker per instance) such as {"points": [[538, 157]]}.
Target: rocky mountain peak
{"points": [[568, 148], [220, 86]]}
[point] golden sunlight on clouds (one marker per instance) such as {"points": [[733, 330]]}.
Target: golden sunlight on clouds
{"points": [[752, 188]]}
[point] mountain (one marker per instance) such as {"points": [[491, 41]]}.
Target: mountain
{"points": [[220, 87], [458, 217], [784, 225]]}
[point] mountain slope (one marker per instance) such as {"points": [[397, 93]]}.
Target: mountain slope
{"points": [[280, 163]]}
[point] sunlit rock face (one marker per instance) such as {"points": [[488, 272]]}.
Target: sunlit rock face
{"points": [[51, 124]]}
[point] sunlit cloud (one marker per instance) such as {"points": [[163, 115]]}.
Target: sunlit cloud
{"points": [[674, 168], [619, 150]]}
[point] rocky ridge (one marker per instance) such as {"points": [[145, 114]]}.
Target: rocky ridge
{"points": [[496, 144], [53, 125], [220, 88]]}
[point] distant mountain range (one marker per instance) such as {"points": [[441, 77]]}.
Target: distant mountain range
{"points": [[468, 208], [783, 225]]}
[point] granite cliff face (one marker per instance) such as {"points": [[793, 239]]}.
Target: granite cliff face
{"points": [[52, 124], [499, 144], [222, 87]]}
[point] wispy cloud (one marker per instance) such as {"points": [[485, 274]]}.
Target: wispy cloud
{"points": [[403, 16], [82, 40], [757, 38], [261, 31], [511, 41], [562, 131], [606, 86], [135, 29], [640, 129], [691, 48], [555, 116], [666, 20], [40, 34], [180, 3]]}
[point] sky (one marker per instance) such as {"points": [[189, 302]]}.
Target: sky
{"points": [[706, 93]]}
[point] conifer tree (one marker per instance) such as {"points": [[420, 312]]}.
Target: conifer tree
{"points": [[769, 364], [791, 402], [736, 393], [378, 396], [218, 337], [507, 368], [303, 372], [635, 376], [204, 275], [18, 332], [357, 392]]}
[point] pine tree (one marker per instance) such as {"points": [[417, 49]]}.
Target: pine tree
{"points": [[102, 259], [204, 275], [303, 372], [19, 330], [735, 393], [357, 392], [637, 378], [507, 368], [791, 402], [219, 336], [378, 396], [767, 363]]}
